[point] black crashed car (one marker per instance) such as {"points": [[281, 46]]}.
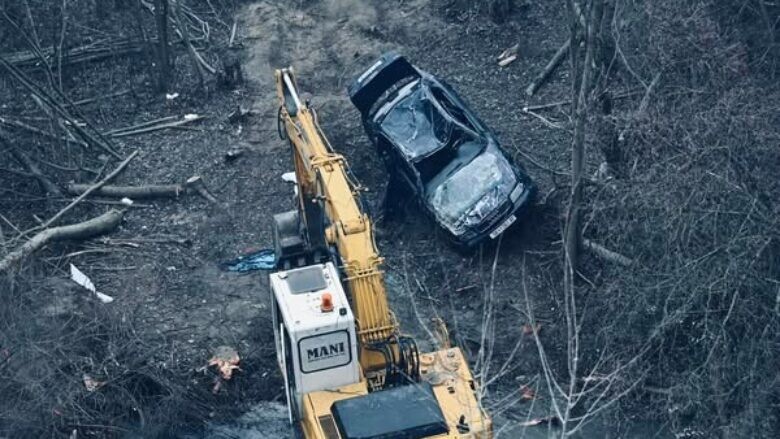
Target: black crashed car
{"points": [[430, 139]]}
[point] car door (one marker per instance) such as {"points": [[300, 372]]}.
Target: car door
{"points": [[397, 165]]}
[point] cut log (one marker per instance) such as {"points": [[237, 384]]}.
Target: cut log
{"points": [[606, 254], [132, 192], [93, 227], [548, 69]]}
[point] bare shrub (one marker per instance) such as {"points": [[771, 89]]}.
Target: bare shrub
{"points": [[69, 362], [696, 206]]}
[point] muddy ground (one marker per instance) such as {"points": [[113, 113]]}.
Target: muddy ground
{"points": [[171, 283]]}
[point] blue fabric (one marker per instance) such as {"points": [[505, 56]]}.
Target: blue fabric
{"points": [[259, 260]]}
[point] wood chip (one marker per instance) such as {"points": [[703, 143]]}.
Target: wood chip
{"points": [[506, 61]]}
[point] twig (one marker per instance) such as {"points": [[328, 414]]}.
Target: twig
{"points": [[149, 129], [46, 184], [543, 119], [54, 105], [198, 62], [643, 104], [118, 203], [233, 34], [142, 125], [40, 132], [646, 98], [568, 102], [100, 98], [539, 165]]}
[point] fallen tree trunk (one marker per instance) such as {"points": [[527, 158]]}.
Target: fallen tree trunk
{"points": [[132, 192], [93, 227], [549, 68]]}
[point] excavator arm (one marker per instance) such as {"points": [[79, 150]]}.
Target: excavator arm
{"points": [[330, 209]]}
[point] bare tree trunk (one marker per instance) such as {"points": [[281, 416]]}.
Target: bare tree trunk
{"points": [[582, 78], [163, 49], [185, 35], [581, 91], [198, 62]]}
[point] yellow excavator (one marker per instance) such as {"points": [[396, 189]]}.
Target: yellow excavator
{"points": [[349, 372]]}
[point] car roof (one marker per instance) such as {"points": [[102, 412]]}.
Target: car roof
{"points": [[407, 122]]}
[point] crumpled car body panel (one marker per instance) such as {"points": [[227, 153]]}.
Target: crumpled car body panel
{"points": [[449, 157]]}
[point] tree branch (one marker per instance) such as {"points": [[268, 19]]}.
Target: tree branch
{"points": [[95, 226]]}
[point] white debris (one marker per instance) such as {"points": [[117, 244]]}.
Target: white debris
{"points": [[191, 116], [126, 201], [171, 96], [508, 55], [92, 384], [80, 278], [506, 61], [290, 178]]}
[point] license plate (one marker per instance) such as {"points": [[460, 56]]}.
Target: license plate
{"points": [[505, 225]]}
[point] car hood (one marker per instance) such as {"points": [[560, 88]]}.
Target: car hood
{"points": [[469, 196]]}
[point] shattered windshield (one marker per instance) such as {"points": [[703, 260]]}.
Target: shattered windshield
{"points": [[474, 191], [417, 125]]}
